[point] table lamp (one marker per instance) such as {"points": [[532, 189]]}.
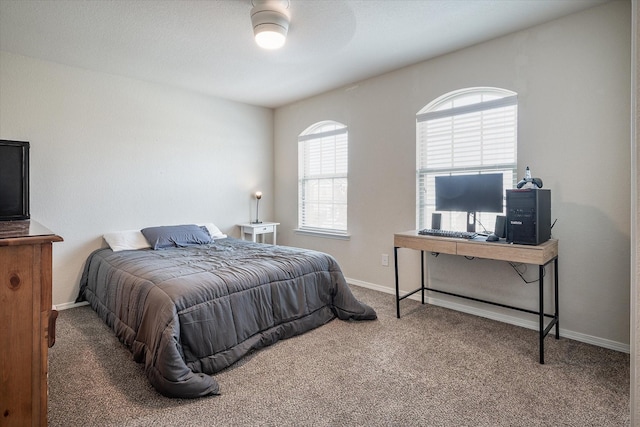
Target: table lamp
{"points": [[258, 197]]}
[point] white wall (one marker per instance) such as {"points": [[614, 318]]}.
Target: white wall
{"points": [[110, 153], [573, 86]]}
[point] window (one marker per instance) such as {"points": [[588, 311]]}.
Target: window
{"points": [[467, 131], [322, 178]]}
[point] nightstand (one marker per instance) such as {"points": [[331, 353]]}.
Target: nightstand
{"points": [[258, 229]]}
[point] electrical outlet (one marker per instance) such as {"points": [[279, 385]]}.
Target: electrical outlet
{"points": [[385, 260]]}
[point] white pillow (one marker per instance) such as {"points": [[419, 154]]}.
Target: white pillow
{"points": [[214, 231], [126, 240]]}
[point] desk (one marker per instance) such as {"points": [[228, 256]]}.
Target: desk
{"points": [[540, 255]]}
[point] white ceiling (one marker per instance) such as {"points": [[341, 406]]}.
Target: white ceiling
{"points": [[208, 47]]}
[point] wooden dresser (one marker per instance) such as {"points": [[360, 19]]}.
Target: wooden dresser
{"points": [[25, 318]]}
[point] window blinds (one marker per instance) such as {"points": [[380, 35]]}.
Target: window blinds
{"points": [[322, 180], [468, 138]]}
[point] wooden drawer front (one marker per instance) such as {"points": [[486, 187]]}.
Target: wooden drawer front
{"points": [[20, 342], [539, 255], [430, 244]]}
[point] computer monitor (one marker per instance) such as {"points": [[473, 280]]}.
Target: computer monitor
{"points": [[470, 193]]}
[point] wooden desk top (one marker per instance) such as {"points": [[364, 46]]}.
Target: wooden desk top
{"points": [[25, 232], [501, 251]]}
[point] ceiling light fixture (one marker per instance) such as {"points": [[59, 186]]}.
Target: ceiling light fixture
{"points": [[270, 20]]}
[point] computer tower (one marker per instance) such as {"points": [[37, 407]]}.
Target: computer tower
{"points": [[528, 216]]}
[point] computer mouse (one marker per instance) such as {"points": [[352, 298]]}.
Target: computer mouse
{"points": [[492, 238]]}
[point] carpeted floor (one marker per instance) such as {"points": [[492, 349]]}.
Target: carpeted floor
{"points": [[432, 367]]}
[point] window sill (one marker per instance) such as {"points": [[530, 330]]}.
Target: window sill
{"points": [[323, 234]]}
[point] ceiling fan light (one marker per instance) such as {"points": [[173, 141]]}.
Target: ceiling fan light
{"points": [[270, 38], [270, 24]]}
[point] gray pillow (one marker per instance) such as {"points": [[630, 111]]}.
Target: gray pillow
{"points": [[172, 236]]}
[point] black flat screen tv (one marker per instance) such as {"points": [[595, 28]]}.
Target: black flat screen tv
{"points": [[14, 180]]}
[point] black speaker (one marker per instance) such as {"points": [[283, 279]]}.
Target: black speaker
{"points": [[436, 218], [500, 229], [528, 216]]}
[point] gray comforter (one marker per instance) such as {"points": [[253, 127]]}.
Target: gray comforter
{"points": [[189, 312]]}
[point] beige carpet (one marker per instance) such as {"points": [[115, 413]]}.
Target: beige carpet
{"points": [[432, 367]]}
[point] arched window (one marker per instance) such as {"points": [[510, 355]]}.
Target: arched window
{"points": [[463, 132], [323, 178]]}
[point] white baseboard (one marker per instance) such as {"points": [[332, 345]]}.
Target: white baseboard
{"points": [[67, 305], [529, 324]]}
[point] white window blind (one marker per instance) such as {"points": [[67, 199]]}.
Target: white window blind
{"points": [[323, 178], [468, 131]]}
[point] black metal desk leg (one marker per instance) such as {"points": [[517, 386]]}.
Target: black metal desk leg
{"points": [[555, 281], [422, 273], [395, 258], [541, 308]]}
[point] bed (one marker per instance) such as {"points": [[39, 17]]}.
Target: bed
{"points": [[189, 310]]}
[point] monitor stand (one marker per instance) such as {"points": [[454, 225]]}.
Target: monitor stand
{"points": [[471, 223]]}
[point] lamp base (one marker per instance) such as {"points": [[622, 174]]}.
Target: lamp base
{"points": [[256, 222]]}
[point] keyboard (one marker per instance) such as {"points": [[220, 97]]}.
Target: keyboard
{"points": [[448, 233]]}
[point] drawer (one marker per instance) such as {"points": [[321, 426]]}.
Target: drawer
{"points": [[265, 229]]}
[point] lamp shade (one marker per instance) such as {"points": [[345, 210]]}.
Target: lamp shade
{"points": [[270, 22]]}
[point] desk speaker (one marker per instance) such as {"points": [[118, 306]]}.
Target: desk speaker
{"points": [[436, 219], [500, 228], [528, 216]]}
